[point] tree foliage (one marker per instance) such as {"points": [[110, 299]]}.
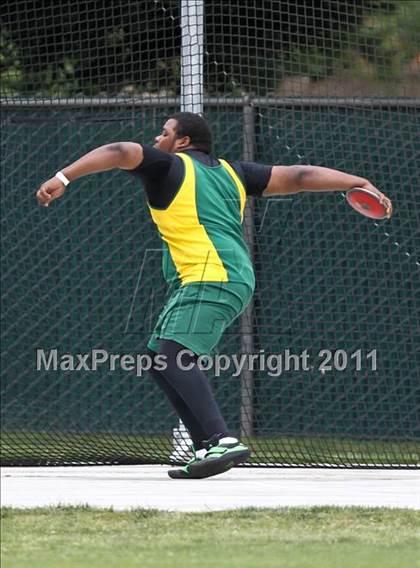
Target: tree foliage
{"points": [[97, 47]]}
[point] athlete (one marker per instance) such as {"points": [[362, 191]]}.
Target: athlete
{"points": [[197, 203]]}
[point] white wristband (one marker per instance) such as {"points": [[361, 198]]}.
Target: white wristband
{"points": [[62, 178]]}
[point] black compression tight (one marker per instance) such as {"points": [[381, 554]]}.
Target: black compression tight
{"points": [[190, 393]]}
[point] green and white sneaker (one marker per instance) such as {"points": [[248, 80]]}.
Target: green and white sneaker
{"points": [[221, 457]]}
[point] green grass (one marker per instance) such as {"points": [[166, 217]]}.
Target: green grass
{"points": [[61, 447], [321, 537]]}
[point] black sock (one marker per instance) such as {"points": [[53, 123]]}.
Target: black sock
{"points": [[192, 388]]}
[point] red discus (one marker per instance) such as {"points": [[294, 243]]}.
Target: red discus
{"points": [[366, 202]]}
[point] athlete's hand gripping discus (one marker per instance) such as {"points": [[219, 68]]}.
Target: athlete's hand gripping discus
{"points": [[370, 203]]}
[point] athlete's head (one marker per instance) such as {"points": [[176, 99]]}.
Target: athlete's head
{"points": [[184, 130]]}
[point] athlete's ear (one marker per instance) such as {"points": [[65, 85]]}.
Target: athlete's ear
{"points": [[182, 143]]}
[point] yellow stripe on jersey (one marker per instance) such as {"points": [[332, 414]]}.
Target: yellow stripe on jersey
{"points": [[193, 253], [239, 185]]}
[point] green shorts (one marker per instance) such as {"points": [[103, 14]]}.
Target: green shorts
{"points": [[197, 314]]}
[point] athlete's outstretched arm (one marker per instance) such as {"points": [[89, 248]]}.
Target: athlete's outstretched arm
{"points": [[285, 180], [123, 155]]}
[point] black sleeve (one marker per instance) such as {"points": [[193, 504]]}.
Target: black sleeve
{"points": [[154, 162], [254, 176], [160, 174]]}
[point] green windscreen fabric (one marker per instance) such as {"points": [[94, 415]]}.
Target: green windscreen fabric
{"points": [[330, 279], [85, 275]]}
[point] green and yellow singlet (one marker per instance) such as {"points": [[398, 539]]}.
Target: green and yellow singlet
{"points": [[201, 229]]}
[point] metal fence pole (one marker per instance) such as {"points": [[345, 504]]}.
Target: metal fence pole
{"points": [[192, 87], [192, 55], [247, 337]]}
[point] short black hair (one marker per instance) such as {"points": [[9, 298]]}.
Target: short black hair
{"points": [[196, 127]]}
